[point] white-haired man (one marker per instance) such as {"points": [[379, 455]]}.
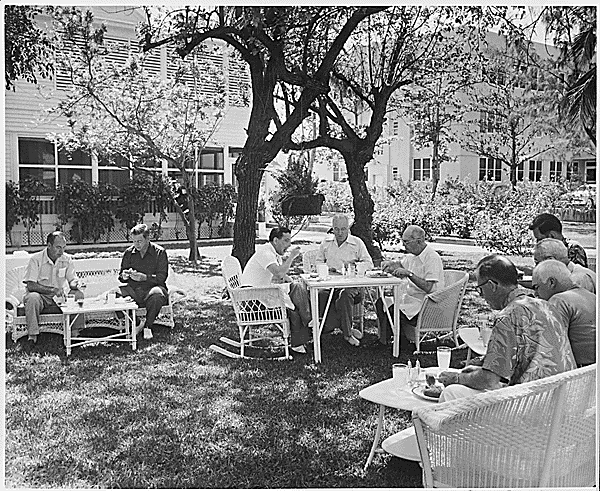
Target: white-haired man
{"points": [[555, 249], [424, 271], [338, 251], [575, 306]]}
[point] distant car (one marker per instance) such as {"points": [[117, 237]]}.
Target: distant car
{"points": [[584, 195]]}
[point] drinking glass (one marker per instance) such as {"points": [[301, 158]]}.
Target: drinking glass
{"points": [[443, 357], [400, 374], [322, 270]]}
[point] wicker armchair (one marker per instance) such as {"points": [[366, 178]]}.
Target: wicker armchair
{"points": [[253, 307], [537, 434], [439, 312], [309, 265]]}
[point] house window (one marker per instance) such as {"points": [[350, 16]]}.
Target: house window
{"points": [[421, 169], [521, 171], [590, 171], [555, 170], [39, 159], [490, 122], [395, 127], [395, 173], [535, 170], [490, 169]]}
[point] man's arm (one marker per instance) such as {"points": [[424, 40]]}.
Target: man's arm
{"points": [[279, 271], [363, 254], [34, 286], [472, 376], [401, 272]]}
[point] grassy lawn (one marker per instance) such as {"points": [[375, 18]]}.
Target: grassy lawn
{"points": [[173, 414]]}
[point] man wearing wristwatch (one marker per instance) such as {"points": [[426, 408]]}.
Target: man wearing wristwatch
{"points": [[144, 268], [423, 269], [529, 340]]}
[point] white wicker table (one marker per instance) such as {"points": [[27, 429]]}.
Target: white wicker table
{"points": [[338, 281], [98, 306], [387, 393]]}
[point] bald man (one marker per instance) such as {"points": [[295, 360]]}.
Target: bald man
{"points": [[338, 251], [555, 249], [575, 306], [546, 225], [423, 269]]}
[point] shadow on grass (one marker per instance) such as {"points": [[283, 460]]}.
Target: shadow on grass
{"points": [[174, 414]]}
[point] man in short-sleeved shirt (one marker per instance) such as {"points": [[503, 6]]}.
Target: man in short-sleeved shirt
{"points": [[576, 307], [424, 271], [338, 251], [50, 273], [268, 266], [528, 342]]}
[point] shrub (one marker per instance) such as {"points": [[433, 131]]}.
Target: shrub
{"points": [[30, 190], [89, 207], [134, 199], [495, 215], [213, 202], [13, 201], [338, 196]]}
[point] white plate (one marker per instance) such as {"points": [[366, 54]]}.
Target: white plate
{"points": [[418, 391], [377, 274]]}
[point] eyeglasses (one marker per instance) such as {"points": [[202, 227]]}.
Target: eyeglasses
{"points": [[480, 286]]}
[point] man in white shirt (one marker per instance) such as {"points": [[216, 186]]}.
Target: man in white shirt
{"points": [[424, 271], [268, 266], [555, 249], [50, 273], [338, 251]]}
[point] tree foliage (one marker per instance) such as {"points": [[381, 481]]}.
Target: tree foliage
{"points": [[284, 47], [27, 49], [513, 113], [122, 110]]}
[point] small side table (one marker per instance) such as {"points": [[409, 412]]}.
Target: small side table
{"points": [[387, 393], [92, 306]]}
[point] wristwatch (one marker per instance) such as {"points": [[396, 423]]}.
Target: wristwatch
{"points": [[410, 274]]}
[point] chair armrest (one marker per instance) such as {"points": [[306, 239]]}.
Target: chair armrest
{"points": [[12, 303], [270, 296]]}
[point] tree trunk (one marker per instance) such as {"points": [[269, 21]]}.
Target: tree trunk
{"points": [[191, 230], [244, 227], [363, 204], [435, 168]]}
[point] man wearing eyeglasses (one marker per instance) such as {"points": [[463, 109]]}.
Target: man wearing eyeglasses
{"points": [[423, 269], [528, 342]]}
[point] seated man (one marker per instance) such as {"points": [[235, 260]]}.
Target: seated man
{"points": [[338, 251], [48, 274], [528, 342], [546, 225], [424, 271], [574, 305], [555, 249], [268, 266], [144, 268]]}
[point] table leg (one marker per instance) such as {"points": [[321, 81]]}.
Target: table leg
{"points": [[67, 332], [377, 436], [397, 327], [132, 329], [314, 307]]}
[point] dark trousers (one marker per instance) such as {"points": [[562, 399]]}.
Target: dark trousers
{"points": [[300, 316], [385, 330], [152, 299], [340, 310]]}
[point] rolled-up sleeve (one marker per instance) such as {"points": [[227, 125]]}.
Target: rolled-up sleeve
{"points": [[32, 273], [363, 254]]}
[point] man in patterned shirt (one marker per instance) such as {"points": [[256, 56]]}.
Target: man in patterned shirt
{"points": [[546, 226], [528, 340]]}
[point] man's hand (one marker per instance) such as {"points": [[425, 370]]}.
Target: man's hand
{"points": [[137, 276], [293, 252], [390, 266], [400, 272], [448, 378]]}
